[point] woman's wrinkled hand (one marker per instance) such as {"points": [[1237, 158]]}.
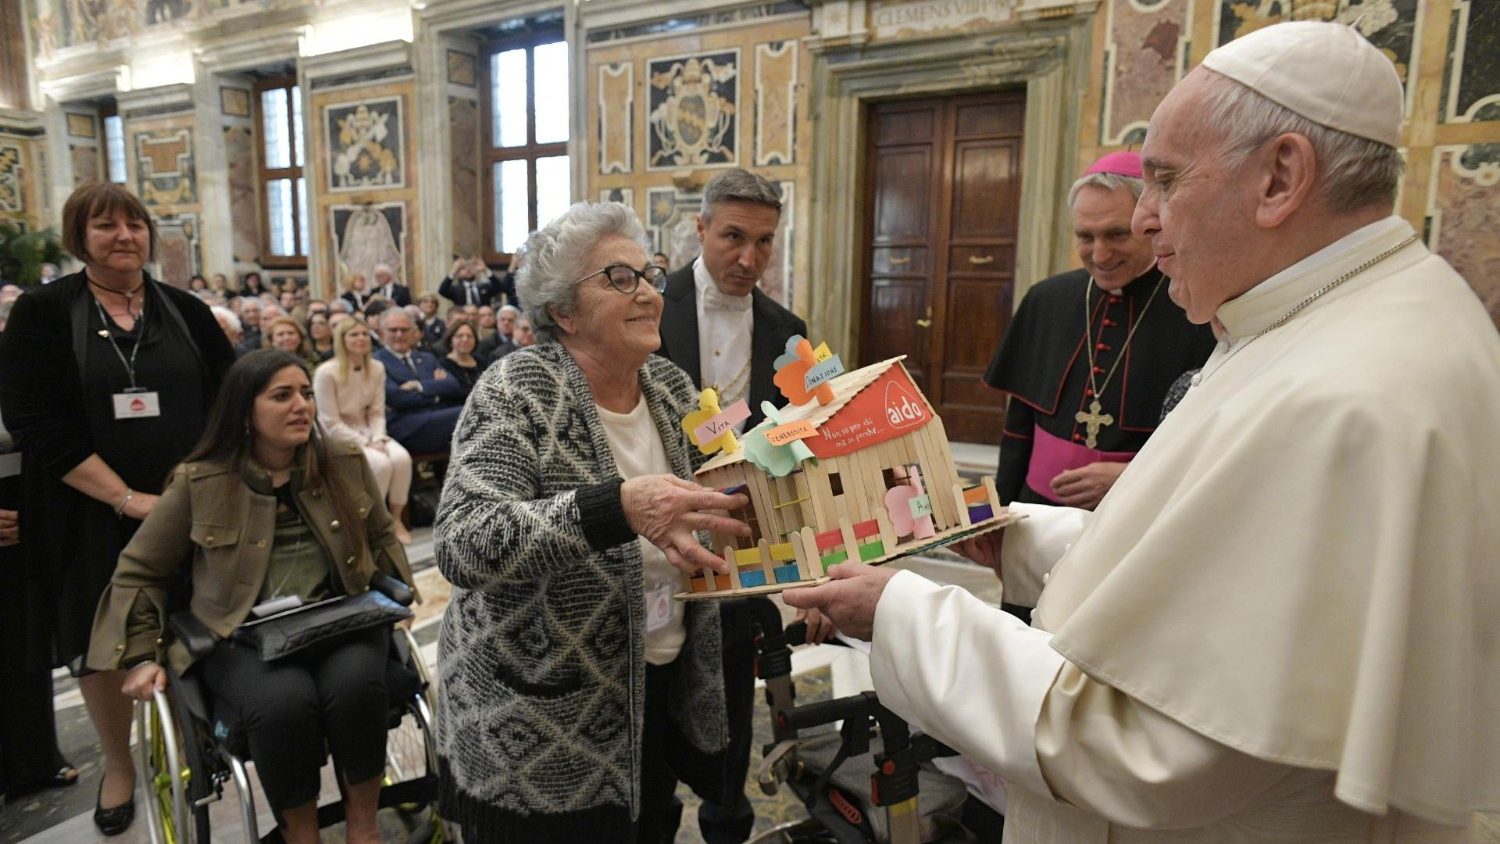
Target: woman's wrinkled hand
{"points": [[665, 510], [140, 506], [10, 528], [819, 626], [144, 680]]}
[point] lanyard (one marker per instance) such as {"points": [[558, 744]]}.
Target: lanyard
{"points": [[140, 340]]}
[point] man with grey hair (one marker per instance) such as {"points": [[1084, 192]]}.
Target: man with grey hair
{"points": [[726, 333], [1089, 355], [387, 286], [229, 323], [1273, 629], [422, 400], [249, 310]]}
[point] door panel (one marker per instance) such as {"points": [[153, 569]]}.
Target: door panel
{"points": [[944, 194]]}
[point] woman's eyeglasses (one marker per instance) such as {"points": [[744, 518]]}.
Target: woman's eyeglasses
{"points": [[626, 278]]}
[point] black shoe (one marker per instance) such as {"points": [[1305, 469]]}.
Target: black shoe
{"points": [[117, 820]]}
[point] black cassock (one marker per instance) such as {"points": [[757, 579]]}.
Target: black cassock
{"points": [[1043, 365]]}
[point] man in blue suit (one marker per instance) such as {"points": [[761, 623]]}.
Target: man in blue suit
{"points": [[422, 401]]}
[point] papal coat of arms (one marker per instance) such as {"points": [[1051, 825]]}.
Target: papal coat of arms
{"points": [[365, 145], [694, 107]]}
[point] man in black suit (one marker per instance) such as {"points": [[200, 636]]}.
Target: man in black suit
{"points": [[387, 286], [464, 286], [726, 333]]}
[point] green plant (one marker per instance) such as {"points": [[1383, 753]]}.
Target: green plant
{"points": [[23, 251]]}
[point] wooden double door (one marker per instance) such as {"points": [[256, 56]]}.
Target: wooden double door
{"points": [[943, 197]]}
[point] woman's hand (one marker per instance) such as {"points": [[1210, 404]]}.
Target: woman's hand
{"points": [[983, 549], [666, 509], [144, 680], [819, 626], [140, 506], [10, 528]]}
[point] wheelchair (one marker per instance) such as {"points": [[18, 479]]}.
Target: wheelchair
{"points": [[186, 756], [871, 781]]}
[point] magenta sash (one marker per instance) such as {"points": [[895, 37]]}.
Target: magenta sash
{"points": [[1051, 456]]}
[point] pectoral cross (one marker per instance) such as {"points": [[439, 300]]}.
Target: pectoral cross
{"points": [[1093, 421]]}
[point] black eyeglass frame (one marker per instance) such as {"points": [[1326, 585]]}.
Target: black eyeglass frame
{"points": [[654, 275]]}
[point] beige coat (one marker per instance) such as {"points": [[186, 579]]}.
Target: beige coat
{"points": [[210, 514]]}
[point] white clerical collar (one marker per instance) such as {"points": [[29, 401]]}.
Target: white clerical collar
{"points": [[709, 293], [1263, 304]]}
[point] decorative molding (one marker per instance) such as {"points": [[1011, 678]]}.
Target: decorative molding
{"points": [[360, 63], [623, 21], [776, 103], [168, 99], [236, 53], [616, 118], [102, 82]]}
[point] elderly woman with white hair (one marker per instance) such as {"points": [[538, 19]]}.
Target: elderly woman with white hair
{"points": [[576, 691]]}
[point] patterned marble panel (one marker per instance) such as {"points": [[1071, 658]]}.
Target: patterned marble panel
{"points": [[1145, 58], [81, 125], [177, 248], [775, 103], [1471, 82], [672, 222], [1464, 214], [694, 111], [365, 144], [85, 163], [164, 166], [624, 196], [244, 212], [616, 117], [12, 173], [234, 102], [1390, 25], [463, 120], [461, 68], [365, 235]]}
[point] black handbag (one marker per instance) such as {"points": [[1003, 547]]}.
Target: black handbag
{"points": [[290, 632]]}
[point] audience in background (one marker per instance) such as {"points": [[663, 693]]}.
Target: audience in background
{"points": [[433, 326], [287, 334], [355, 293], [464, 286], [250, 284], [462, 359], [525, 336], [229, 323], [422, 399], [320, 335], [249, 310], [386, 285]]}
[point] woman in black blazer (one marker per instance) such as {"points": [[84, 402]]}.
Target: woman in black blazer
{"points": [[106, 378]]}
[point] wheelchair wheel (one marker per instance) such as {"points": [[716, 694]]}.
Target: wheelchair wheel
{"points": [[171, 817]]}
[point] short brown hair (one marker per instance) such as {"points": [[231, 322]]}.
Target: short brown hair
{"points": [[100, 199]]}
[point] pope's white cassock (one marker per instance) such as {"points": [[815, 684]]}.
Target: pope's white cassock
{"points": [[1282, 623]]}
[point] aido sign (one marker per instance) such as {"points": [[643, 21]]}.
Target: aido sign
{"points": [[890, 407]]}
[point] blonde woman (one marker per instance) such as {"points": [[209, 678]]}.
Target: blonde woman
{"points": [[286, 333], [350, 391]]}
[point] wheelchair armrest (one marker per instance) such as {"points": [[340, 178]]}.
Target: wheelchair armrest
{"points": [[392, 588], [191, 632]]}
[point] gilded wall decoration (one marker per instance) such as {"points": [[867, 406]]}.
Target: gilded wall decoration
{"points": [[461, 69], [244, 211], [616, 117], [81, 125], [463, 123], [366, 235], [11, 173], [1390, 25], [234, 102], [85, 159], [365, 144], [672, 223], [694, 108], [775, 103], [1145, 57], [178, 253], [1464, 213], [1471, 81], [164, 166], [58, 24]]}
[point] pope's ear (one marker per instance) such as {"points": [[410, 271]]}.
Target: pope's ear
{"points": [[1288, 178]]}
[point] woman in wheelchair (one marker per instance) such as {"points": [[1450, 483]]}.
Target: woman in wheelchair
{"points": [[267, 510]]}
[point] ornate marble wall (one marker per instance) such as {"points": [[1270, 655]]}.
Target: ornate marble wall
{"points": [[671, 105], [240, 159], [161, 167], [1446, 51], [465, 188]]}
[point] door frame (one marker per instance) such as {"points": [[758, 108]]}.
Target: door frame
{"points": [[1050, 58]]}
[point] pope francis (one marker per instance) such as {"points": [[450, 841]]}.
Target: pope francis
{"points": [[1280, 625]]}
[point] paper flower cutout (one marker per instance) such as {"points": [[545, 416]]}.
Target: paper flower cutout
{"points": [[778, 461], [791, 373], [701, 424]]}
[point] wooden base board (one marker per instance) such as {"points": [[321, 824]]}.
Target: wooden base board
{"points": [[947, 537]]}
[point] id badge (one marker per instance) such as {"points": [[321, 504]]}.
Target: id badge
{"points": [[137, 404], [658, 607]]}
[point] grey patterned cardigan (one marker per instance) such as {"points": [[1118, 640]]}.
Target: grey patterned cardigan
{"points": [[542, 648]]}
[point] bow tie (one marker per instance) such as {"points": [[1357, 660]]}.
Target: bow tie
{"points": [[714, 300]]}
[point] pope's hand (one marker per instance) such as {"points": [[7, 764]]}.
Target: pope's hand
{"points": [[849, 598], [665, 510], [1085, 486]]}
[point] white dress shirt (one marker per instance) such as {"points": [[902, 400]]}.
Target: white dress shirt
{"points": [[725, 326]]}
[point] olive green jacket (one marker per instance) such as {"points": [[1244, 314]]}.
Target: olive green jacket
{"points": [[213, 515]]}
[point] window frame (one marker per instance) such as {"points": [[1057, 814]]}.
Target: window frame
{"points": [[490, 154], [266, 174], [108, 111]]}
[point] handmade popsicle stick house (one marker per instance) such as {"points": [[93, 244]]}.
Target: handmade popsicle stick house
{"points": [[866, 475]]}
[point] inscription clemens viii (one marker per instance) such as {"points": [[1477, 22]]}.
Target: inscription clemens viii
{"points": [[890, 19]]}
